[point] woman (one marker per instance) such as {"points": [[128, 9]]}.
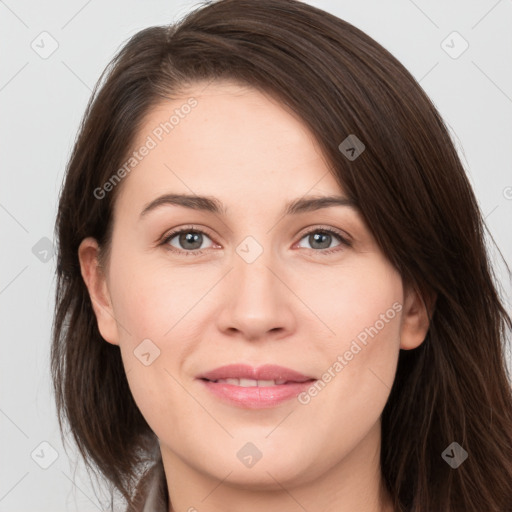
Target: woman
{"points": [[256, 370]]}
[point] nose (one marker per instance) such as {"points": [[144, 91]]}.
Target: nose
{"points": [[257, 302]]}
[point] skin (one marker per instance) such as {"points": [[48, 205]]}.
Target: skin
{"points": [[292, 306]]}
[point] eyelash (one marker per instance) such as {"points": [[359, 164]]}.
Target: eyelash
{"points": [[199, 252]]}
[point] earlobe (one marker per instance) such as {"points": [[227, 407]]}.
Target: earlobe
{"points": [[96, 282], [416, 315]]}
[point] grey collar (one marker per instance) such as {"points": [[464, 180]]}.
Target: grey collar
{"points": [[156, 496]]}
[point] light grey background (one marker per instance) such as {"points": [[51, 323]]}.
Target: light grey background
{"points": [[42, 101]]}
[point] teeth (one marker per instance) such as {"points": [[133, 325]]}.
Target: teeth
{"points": [[247, 383], [262, 383]]}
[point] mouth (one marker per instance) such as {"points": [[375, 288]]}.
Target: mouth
{"points": [[248, 383], [253, 394], [246, 376], [255, 388]]}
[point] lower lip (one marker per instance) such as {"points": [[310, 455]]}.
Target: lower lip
{"points": [[255, 397]]}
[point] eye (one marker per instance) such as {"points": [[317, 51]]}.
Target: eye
{"points": [[320, 240], [188, 240]]}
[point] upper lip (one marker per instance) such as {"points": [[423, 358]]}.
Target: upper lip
{"points": [[265, 372]]}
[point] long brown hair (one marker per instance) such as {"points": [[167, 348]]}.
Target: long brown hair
{"points": [[411, 189]]}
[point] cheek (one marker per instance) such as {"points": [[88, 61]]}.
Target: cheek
{"points": [[157, 313], [364, 295], [153, 300], [362, 306], [361, 359]]}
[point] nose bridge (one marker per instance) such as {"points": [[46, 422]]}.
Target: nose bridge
{"points": [[252, 264]]}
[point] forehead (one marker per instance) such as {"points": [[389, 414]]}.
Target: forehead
{"points": [[229, 140]]}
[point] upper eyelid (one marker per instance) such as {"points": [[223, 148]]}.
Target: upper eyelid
{"points": [[173, 232]]}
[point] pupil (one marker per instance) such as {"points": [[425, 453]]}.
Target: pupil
{"points": [[192, 238], [318, 237]]}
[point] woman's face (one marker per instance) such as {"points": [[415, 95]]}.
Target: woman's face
{"points": [[251, 284]]}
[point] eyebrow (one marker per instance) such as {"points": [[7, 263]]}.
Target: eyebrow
{"points": [[213, 205]]}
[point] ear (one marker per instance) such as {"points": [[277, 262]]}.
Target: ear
{"points": [[96, 282], [416, 314]]}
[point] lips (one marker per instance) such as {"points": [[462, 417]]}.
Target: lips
{"points": [[247, 387], [246, 376]]}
